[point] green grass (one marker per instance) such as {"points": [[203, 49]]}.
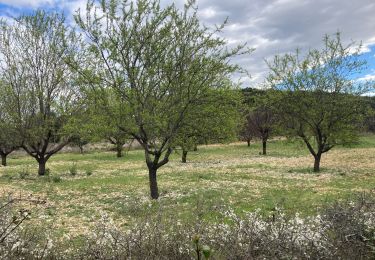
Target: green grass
{"points": [[232, 175]]}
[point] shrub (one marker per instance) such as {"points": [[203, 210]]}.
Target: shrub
{"points": [[342, 231], [17, 240]]}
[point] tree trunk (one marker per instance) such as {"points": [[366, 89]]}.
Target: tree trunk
{"points": [[153, 183], [81, 149], [317, 162], [42, 167], [195, 148], [4, 159], [248, 142], [184, 155], [264, 142], [119, 150]]}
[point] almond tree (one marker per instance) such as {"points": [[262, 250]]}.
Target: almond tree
{"points": [[159, 60], [40, 86], [316, 95], [103, 117], [213, 119], [260, 123], [9, 140]]}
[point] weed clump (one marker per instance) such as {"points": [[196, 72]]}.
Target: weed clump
{"points": [[24, 173], [56, 179], [73, 169]]}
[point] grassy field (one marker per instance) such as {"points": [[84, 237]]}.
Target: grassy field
{"points": [[231, 175]]}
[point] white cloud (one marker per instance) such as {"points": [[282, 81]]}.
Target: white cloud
{"points": [[368, 77], [208, 13], [272, 26], [29, 3]]}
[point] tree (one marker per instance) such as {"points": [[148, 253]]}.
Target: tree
{"points": [[213, 119], [40, 86], [113, 114], [160, 61], [79, 141], [254, 99], [316, 95], [103, 117], [118, 139], [260, 123], [246, 133], [369, 123], [9, 139]]}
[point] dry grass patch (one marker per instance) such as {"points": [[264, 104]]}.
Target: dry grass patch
{"points": [[217, 174]]}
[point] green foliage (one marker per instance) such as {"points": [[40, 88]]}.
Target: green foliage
{"points": [[103, 117], [369, 124], [10, 138], [40, 90], [204, 250], [79, 141], [213, 119], [158, 62], [316, 96]]}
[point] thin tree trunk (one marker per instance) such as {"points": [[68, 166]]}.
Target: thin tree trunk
{"points": [[3, 159], [184, 155], [248, 142], [119, 150], [317, 162], [153, 183], [42, 167], [264, 142], [195, 148]]}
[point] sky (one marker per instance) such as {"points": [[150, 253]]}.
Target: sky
{"points": [[270, 26]]}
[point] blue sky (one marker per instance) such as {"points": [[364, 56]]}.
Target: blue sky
{"points": [[370, 58], [271, 26]]}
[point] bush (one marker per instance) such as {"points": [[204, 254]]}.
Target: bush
{"points": [[17, 240], [342, 231], [352, 228]]}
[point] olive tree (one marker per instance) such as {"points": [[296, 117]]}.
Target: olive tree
{"points": [[317, 98], [159, 60], [40, 87]]}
